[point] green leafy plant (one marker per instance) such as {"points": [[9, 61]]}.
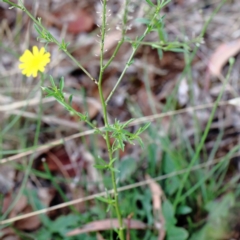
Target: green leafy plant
{"points": [[117, 131], [116, 135], [173, 232]]}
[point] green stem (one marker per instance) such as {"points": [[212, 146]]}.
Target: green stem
{"points": [[163, 45], [114, 53], [120, 42], [80, 115], [13, 4], [113, 177], [80, 66], [135, 48], [211, 18], [121, 76], [106, 123]]}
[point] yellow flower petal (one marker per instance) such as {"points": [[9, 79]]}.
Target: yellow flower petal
{"points": [[35, 51], [42, 51], [27, 55], [41, 69], [32, 62], [21, 66]]}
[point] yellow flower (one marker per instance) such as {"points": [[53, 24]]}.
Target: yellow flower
{"points": [[32, 62]]}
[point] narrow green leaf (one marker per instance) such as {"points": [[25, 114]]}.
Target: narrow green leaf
{"points": [[70, 100], [168, 213], [150, 3], [106, 200], [142, 20], [121, 145], [183, 210], [165, 3], [114, 169], [49, 95], [112, 161], [177, 233], [52, 81], [160, 53], [140, 142], [61, 85], [101, 161], [127, 123], [146, 126], [100, 167], [48, 91], [131, 62], [37, 29], [180, 50], [154, 45], [142, 129], [108, 208]]}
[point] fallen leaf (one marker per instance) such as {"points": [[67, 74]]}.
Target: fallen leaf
{"points": [[77, 20], [8, 234], [22, 207], [105, 224], [157, 194], [81, 22], [57, 160], [221, 56], [30, 223], [21, 204]]}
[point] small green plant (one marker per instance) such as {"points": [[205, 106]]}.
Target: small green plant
{"points": [[37, 60], [172, 231], [116, 135]]}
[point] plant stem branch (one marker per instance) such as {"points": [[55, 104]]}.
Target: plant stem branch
{"points": [[106, 123], [135, 48], [80, 66], [120, 42]]}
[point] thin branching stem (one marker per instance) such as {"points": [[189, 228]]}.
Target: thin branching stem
{"points": [[107, 137], [80, 66], [121, 41], [135, 48], [46, 36]]}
